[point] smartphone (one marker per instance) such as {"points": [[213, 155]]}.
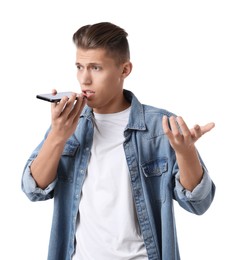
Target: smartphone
{"points": [[54, 98]]}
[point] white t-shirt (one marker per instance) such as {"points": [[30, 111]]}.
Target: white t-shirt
{"points": [[107, 227]]}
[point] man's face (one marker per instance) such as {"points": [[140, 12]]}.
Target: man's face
{"points": [[101, 80]]}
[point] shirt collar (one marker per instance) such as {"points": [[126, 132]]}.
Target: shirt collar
{"points": [[136, 117]]}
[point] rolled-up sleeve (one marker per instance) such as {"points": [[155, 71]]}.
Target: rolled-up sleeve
{"points": [[200, 192], [30, 188], [200, 198]]}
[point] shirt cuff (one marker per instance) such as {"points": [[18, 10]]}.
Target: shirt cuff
{"points": [[30, 186], [199, 193]]}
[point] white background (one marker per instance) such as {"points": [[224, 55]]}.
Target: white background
{"points": [[183, 61]]}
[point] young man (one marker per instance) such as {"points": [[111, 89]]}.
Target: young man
{"points": [[113, 165]]}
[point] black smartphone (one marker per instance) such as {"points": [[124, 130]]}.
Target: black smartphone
{"points": [[54, 98]]}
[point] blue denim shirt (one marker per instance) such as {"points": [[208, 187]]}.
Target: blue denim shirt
{"points": [[154, 176]]}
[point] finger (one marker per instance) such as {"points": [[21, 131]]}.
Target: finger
{"points": [[59, 107], [66, 104], [165, 125], [79, 109], [54, 91], [174, 127], [183, 127], [206, 128], [81, 102], [197, 133]]}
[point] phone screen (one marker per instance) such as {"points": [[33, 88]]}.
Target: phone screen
{"points": [[54, 98]]}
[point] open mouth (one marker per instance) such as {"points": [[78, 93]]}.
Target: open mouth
{"points": [[88, 93]]}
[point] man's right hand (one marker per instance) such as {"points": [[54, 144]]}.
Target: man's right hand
{"points": [[65, 115]]}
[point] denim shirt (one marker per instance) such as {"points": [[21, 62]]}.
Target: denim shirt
{"points": [[154, 177]]}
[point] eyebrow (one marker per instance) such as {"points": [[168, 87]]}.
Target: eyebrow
{"points": [[89, 64]]}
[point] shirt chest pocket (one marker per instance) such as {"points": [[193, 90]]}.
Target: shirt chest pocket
{"points": [[154, 173], [67, 162]]}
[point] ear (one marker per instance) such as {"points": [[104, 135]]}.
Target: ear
{"points": [[126, 69]]}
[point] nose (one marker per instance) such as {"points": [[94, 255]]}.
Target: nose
{"points": [[85, 77]]}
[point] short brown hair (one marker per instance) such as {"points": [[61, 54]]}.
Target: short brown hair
{"points": [[106, 36]]}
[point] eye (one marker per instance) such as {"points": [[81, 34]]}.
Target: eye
{"points": [[96, 68], [79, 67]]}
